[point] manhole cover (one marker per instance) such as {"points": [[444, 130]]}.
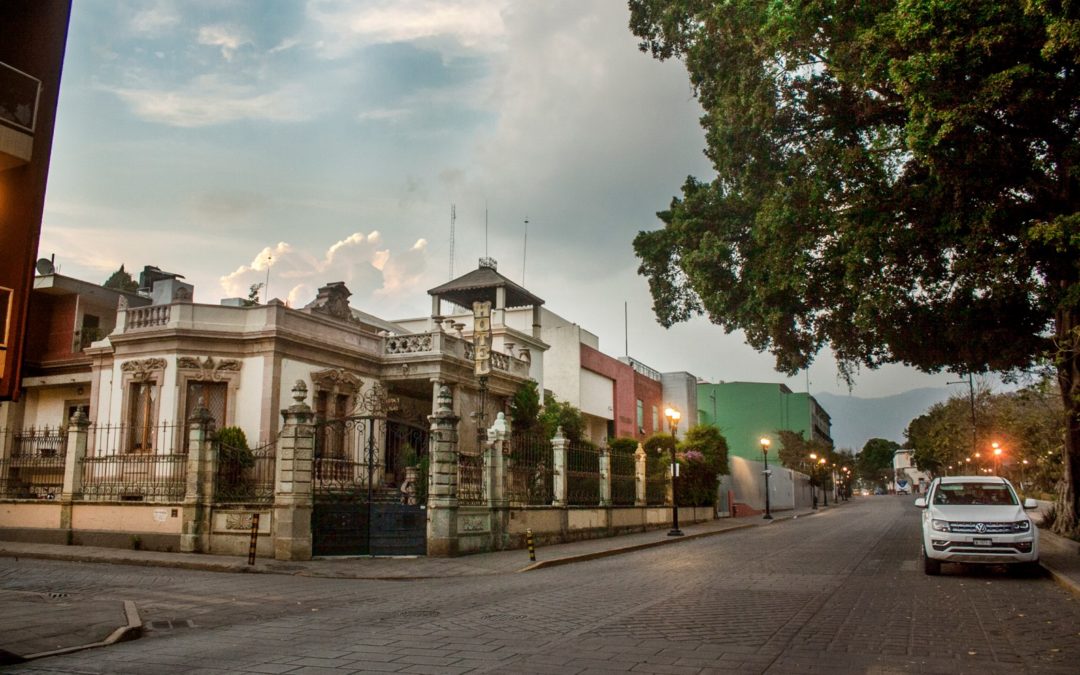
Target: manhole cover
{"points": [[417, 613], [58, 596]]}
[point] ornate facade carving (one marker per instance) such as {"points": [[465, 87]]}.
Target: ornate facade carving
{"points": [[142, 370], [337, 379], [409, 344], [333, 300], [209, 369], [238, 521]]}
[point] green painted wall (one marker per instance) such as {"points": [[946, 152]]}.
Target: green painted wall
{"points": [[746, 411]]}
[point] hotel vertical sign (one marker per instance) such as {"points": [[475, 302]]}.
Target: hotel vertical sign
{"points": [[482, 338]]}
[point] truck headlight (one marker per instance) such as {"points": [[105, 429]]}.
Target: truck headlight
{"points": [[1021, 525], [939, 525]]}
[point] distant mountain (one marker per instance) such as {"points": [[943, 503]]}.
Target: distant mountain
{"points": [[857, 420]]}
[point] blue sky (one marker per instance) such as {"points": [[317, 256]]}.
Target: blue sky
{"points": [[331, 137]]}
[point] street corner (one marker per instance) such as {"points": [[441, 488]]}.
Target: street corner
{"points": [[35, 625]]}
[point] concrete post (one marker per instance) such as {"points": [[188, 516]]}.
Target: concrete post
{"points": [[639, 474], [495, 463], [77, 435], [442, 479], [560, 444], [605, 476], [292, 480], [199, 491]]}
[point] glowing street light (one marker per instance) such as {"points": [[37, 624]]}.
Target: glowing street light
{"points": [[997, 456], [765, 442], [673, 416]]}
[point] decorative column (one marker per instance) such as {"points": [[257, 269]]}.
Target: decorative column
{"points": [[495, 463], [292, 480], [77, 436], [442, 479], [640, 498], [605, 476], [199, 492], [560, 445]]}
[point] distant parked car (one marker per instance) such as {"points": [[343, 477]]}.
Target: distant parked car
{"points": [[879, 491], [977, 519]]}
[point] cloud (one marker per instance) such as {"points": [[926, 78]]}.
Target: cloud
{"points": [[230, 205], [228, 38], [367, 267], [154, 20], [211, 99], [473, 24]]}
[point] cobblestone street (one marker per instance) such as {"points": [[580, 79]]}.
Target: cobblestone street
{"points": [[837, 592]]}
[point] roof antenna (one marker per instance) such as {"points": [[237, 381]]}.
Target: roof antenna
{"points": [[525, 251], [453, 221], [486, 230]]}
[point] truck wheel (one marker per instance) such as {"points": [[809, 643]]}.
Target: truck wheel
{"points": [[930, 566]]}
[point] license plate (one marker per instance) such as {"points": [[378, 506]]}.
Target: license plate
{"points": [[981, 542]]}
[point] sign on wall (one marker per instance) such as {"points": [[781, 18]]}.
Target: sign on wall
{"points": [[482, 338]]}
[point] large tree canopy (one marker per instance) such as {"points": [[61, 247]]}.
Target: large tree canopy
{"points": [[894, 179]]}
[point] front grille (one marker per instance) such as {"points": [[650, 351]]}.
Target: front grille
{"points": [[988, 528]]}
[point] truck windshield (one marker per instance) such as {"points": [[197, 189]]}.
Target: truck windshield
{"points": [[974, 494]]}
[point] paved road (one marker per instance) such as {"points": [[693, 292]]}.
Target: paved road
{"points": [[839, 592]]}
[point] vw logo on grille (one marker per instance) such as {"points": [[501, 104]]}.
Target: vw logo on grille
{"points": [[980, 527]]}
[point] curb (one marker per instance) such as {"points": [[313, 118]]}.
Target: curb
{"points": [[567, 560], [1062, 579], [140, 562], [132, 630]]}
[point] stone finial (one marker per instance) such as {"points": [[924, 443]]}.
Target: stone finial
{"points": [[640, 454], [80, 419], [559, 435], [499, 429], [445, 400], [200, 413], [299, 394]]}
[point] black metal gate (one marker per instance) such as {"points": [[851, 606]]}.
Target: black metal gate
{"points": [[359, 508]]}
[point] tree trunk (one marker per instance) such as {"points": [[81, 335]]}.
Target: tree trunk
{"points": [[1068, 365]]}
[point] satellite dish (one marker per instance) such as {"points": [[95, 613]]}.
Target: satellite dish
{"points": [[45, 266]]}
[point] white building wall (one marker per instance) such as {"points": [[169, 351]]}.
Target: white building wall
{"points": [[597, 395]]}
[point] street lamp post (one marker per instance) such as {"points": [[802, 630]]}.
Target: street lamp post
{"points": [[824, 492], [997, 457], [1023, 465], [673, 416], [765, 452], [813, 474]]}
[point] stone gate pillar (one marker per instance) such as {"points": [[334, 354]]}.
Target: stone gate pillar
{"points": [[560, 445], [495, 464], [605, 476], [199, 490], [292, 479], [640, 496], [77, 435], [442, 479]]}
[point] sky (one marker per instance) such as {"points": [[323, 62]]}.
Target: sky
{"points": [[236, 142]]}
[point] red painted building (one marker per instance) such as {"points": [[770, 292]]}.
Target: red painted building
{"points": [[31, 57]]}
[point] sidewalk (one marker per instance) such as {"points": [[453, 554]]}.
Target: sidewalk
{"points": [[33, 625]]}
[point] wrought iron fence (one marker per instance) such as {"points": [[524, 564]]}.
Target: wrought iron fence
{"points": [[245, 474], [582, 474], [471, 479], [39, 442], [623, 476], [529, 475], [107, 440], [135, 463], [34, 469], [340, 468], [134, 477]]}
